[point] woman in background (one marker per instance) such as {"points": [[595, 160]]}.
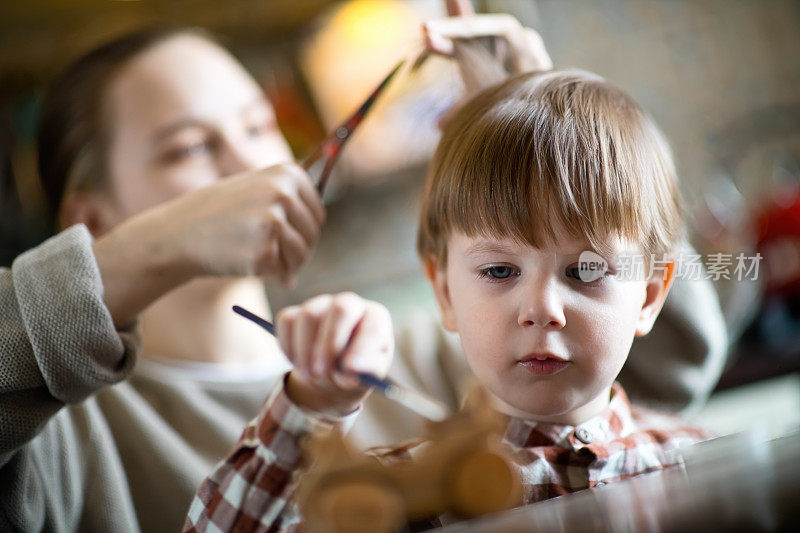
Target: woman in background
{"points": [[138, 123]]}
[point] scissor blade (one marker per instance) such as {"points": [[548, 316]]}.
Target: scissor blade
{"points": [[333, 143], [351, 123]]}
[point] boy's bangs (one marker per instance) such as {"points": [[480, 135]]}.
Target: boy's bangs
{"points": [[526, 179], [544, 154]]}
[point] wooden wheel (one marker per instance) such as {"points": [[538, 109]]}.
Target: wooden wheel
{"points": [[483, 482], [356, 506]]}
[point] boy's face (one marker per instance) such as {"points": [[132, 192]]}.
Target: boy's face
{"points": [[546, 343]]}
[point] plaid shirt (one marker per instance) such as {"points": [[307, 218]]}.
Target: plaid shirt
{"points": [[252, 489]]}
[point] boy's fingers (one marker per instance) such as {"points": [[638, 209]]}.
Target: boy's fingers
{"points": [[372, 344], [336, 329], [285, 326], [345, 380], [306, 330]]}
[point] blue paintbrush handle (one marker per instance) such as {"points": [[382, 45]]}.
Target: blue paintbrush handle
{"points": [[266, 324], [412, 399]]}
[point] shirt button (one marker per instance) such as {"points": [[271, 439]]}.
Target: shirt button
{"points": [[583, 436]]}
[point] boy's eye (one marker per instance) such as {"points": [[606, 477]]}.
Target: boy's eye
{"points": [[499, 272], [586, 275]]}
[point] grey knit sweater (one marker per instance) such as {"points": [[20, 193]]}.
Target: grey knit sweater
{"points": [[82, 448]]}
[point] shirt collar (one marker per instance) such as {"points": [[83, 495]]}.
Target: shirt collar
{"points": [[613, 423]]}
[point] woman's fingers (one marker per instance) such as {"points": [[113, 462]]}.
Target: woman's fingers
{"points": [[526, 47], [302, 220], [459, 8], [535, 56], [311, 198], [441, 32], [292, 214], [293, 253]]}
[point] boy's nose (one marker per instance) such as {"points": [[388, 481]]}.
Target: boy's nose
{"points": [[542, 308]]}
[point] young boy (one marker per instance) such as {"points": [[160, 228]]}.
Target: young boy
{"points": [[532, 179]]}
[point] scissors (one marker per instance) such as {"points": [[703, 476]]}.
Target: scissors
{"points": [[329, 149]]}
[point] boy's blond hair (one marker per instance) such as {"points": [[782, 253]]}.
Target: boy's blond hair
{"points": [[545, 148]]}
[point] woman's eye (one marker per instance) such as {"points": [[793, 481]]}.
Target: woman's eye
{"points": [[187, 151], [260, 129], [256, 130], [499, 272], [194, 149]]}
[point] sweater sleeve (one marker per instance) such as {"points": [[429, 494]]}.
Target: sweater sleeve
{"points": [[58, 343]]}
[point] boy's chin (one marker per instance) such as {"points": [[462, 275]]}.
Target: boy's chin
{"points": [[563, 408], [530, 407]]}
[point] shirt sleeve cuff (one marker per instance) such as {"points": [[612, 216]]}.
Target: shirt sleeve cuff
{"points": [[281, 417]]}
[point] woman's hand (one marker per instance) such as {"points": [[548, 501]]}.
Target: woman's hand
{"points": [[263, 223], [525, 49], [328, 338]]}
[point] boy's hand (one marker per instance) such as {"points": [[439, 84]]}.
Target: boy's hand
{"points": [[327, 338]]}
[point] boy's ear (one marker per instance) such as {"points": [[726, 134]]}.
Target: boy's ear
{"points": [[438, 278], [90, 208], [657, 290]]}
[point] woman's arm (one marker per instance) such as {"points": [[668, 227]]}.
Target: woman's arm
{"points": [[58, 343], [68, 307], [261, 223]]}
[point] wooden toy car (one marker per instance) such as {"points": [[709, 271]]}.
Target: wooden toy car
{"points": [[463, 469]]}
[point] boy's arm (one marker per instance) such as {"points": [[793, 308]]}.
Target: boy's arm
{"points": [[252, 489], [327, 339]]}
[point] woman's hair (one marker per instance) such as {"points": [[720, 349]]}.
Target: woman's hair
{"points": [[544, 150], [73, 134]]}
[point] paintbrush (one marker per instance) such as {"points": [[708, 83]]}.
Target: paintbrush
{"points": [[414, 400]]}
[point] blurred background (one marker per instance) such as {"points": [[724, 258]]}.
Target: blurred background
{"points": [[721, 77]]}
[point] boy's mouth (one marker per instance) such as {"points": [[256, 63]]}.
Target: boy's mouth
{"points": [[543, 363]]}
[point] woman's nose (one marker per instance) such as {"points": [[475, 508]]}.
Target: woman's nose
{"points": [[541, 306], [234, 158]]}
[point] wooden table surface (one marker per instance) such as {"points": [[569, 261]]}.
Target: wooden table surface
{"points": [[734, 483]]}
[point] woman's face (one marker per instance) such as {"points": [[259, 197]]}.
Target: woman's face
{"points": [[180, 116]]}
